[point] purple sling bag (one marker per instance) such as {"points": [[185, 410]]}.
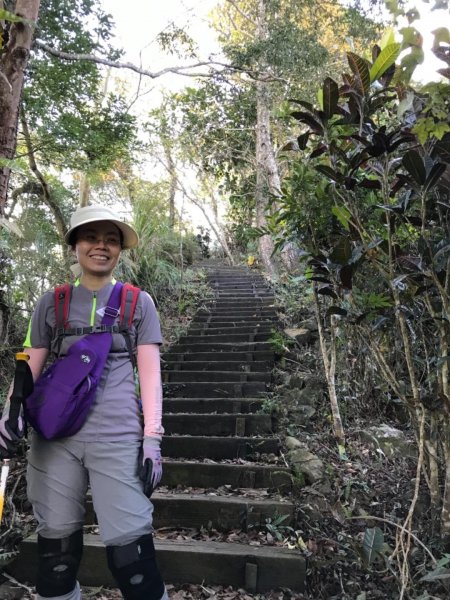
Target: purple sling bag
{"points": [[64, 393]]}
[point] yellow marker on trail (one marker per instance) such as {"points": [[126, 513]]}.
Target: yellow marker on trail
{"points": [[3, 478]]}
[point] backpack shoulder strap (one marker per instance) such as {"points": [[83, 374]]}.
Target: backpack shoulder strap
{"points": [[62, 294], [130, 295]]}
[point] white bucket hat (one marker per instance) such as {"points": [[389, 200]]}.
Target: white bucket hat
{"points": [[90, 214]]}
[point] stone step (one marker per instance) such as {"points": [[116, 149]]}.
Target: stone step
{"points": [[182, 473], [234, 276], [240, 283], [216, 365], [217, 447], [241, 288], [247, 356], [256, 568], [257, 288], [207, 389], [237, 280], [222, 347], [217, 424], [218, 512], [224, 338], [242, 295], [172, 376], [212, 405], [220, 320], [240, 303], [229, 328], [260, 312], [210, 511]]}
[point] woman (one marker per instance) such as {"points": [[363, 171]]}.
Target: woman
{"points": [[111, 452]]}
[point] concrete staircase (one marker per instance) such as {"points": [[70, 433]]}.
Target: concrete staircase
{"points": [[216, 439]]}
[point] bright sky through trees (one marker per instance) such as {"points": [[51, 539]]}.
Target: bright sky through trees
{"points": [[138, 23], [428, 22]]}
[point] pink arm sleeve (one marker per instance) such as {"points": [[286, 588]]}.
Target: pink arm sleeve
{"points": [[38, 357], [149, 370]]}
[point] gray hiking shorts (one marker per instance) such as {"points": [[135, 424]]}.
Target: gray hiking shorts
{"points": [[59, 473]]}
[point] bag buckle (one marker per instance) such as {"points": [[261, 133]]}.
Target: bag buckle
{"points": [[98, 329], [111, 312]]}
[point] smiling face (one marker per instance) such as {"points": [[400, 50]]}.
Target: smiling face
{"points": [[97, 248]]}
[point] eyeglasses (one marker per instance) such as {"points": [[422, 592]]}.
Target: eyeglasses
{"points": [[93, 238]]}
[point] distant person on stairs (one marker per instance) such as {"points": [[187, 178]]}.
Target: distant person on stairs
{"points": [[115, 451]]}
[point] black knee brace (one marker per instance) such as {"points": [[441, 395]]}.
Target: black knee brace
{"points": [[135, 570], [58, 562]]}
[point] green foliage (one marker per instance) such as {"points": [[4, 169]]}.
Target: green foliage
{"points": [[159, 264], [11, 17], [384, 60], [366, 199], [217, 119], [176, 41], [275, 527], [280, 342], [73, 124], [372, 545], [433, 122], [440, 571]]}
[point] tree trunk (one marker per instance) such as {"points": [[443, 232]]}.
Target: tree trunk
{"points": [[329, 365], [216, 229], [45, 190], [85, 189], [267, 177], [172, 182], [13, 63]]}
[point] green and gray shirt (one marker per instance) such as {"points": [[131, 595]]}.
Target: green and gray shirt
{"points": [[115, 414]]}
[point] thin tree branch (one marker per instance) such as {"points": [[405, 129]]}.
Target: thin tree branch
{"points": [[72, 56], [181, 70], [241, 12]]}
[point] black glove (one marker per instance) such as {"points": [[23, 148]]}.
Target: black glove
{"points": [[9, 437]]}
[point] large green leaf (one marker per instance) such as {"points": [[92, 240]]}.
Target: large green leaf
{"points": [[413, 163], [441, 36], [387, 39], [436, 575], [385, 59], [342, 251], [330, 97], [360, 68], [442, 148], [309, 120], [372, 544], [343, 215], [436, 172], [411, 37], [302, 140], [328, 172]]}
